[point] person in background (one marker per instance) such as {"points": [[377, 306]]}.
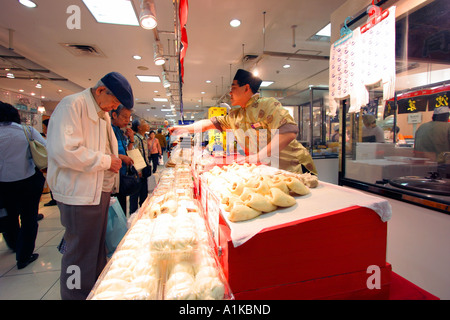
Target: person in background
{"points": [[335, 136], [258, 116], [52, 202], [162, 140], [21, 185], [140, 127], [83, 167], [371, 132], [119, 119], [399, 138], [432, 139], [154, 149], [44, 127]]}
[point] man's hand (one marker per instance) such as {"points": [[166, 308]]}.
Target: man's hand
{"points": [[126, 159], [116, 164]]}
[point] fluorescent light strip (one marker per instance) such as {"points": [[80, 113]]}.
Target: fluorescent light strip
{"points": [[148, 78], [160, 99], [113, 11], [266, 83]]}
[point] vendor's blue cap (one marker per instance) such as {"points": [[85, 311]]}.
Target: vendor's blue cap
{"points": [[120, 87]]}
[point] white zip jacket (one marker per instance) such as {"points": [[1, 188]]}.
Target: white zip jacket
{"points": [[76, 143]]}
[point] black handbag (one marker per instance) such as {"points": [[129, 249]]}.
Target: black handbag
{"points": [[147, 171], [129, 182]]}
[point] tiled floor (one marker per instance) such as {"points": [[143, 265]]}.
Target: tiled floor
{"points": [[40, 279]]}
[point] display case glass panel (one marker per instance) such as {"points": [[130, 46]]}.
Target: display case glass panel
{"points": [[382, 150]]}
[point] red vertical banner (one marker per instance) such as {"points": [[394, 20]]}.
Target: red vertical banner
{"points": [[183, 14]]}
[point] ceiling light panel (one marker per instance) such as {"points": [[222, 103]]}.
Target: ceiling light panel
{"points": [[143, 78], [266, 84], [113, 11]]}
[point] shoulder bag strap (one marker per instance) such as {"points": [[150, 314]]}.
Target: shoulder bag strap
{"points": [[143, 150]]}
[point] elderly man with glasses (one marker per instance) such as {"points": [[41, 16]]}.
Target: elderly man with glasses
{"points": [[83, 166]]}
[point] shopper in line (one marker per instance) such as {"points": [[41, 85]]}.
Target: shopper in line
{"points": [[119, 120], [83, 168], [140, 128], [162, 140], [21, 185], [432, 139], [52, 202], [154, 149], [255, 119]]}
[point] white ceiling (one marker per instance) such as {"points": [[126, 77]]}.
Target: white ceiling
{"points": [[214, 53]]}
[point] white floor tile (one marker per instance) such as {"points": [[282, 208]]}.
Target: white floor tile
{"points": [[31, 286], [40, 279]]}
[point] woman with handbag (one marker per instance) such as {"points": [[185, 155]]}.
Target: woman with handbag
{"points": [[21, 185], [154, 149], [140, 127]]}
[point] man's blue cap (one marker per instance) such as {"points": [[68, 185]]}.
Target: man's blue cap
{"points": [[120, 87]]}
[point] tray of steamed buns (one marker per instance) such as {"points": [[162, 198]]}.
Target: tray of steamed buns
{"points": [[167, 254]]}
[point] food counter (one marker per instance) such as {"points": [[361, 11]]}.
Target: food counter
{"points": [[186, 242], [319, 248]]}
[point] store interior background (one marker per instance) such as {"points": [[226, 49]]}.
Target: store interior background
{"points": [[35, 42]]}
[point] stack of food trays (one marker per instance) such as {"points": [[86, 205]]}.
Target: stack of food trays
{"points": [[167, 252]]}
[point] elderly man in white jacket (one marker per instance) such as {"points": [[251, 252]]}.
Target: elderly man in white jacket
{"points": [[83, 168]]}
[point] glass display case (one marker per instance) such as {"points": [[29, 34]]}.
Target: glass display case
{"points": [[317, 133], [383, 150]]}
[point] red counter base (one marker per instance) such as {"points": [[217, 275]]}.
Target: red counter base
{"points": [[327, 250], [350, 286]]}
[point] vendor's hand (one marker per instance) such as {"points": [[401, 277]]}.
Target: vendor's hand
{"points": [[116, 164], [177, 131]]}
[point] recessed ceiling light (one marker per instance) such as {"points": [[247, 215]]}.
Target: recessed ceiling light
{"points": [[156, 91], [21, 90], [28, 3], [235, 23], [203, 92], [148, 78], [166, 110], [113, 11], [266, 83], [160, 99], [208, 81], [287, 66], [137, 57]]}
